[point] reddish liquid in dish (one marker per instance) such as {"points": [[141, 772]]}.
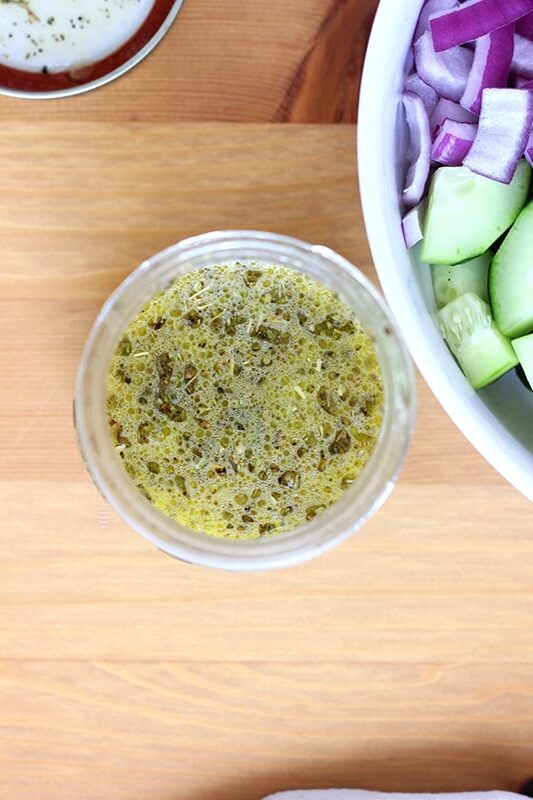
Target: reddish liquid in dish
{"points": [[52, 82]]}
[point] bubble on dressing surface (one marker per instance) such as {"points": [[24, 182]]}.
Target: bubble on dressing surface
{"points": [[244, 399]]}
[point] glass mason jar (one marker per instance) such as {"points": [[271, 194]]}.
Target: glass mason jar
{"points": [[355, 506]]}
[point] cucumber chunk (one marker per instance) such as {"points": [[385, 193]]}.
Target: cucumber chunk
{"points": [[468, 212], [523, 348], [511, 278], [483, 353], [449, 283]]}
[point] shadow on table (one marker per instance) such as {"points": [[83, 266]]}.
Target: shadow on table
{"points": [[445, 767]]}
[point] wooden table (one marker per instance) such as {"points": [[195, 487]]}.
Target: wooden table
{"points": [[402, 660]]}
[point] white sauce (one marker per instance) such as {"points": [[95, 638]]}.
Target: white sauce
{"points": [[61, 35]]}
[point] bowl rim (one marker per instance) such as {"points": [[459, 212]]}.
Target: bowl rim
{"points": [[514, 463]]}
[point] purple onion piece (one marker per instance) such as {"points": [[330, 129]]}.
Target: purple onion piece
{"points": [[419, 148], [409, 62], [518, 82], [446, 72], [524, 26], [523, 57], [504, 127], [428, 95], [491, 65], [429, 8], [452, 142], [473, 19], [529, 149], [447, 109], [413, 223]]}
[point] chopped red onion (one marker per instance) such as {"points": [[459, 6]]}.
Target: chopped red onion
{"points": [[447, 109], [473, 19], [519, 82], [523, 57], [412, 224], [491, 65], [419, 148], [529, 149], [524, 26], [452, 142], [446, 72], [504, 127], [429, 8], [429, 96]]}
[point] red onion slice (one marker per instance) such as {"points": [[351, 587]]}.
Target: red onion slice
{"points": [[446, 72], [412, 224], [491, 65], [529, 149], [518, 82], [428, 95], [473, 19], [524, 26], [447, 109], [504, 127], [452, 142], [523, 57], [429, 8], [419, 148]]}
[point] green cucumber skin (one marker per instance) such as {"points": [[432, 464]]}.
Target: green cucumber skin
{"points": [[450, 282], [468, 212], [482, 352], [511, 278], [523, 348]]}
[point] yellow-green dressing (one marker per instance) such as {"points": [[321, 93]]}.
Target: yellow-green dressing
{"points": [[244, 399]]}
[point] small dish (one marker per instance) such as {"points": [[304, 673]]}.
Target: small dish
{"points": [[46, 85]]}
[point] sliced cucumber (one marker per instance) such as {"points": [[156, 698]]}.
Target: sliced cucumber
{"points": [[467, 213], [523, 348], [483, 353], [511, 278], [449, 283]]}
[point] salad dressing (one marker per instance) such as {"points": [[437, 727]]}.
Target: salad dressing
{"points": [[244, 399]]}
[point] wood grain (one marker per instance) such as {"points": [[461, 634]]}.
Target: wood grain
{"points": [[143, 730], [236, 60], [402, 660]]}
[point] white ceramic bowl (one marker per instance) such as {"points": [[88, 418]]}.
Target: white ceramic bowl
{"points": [[498, 420]]}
